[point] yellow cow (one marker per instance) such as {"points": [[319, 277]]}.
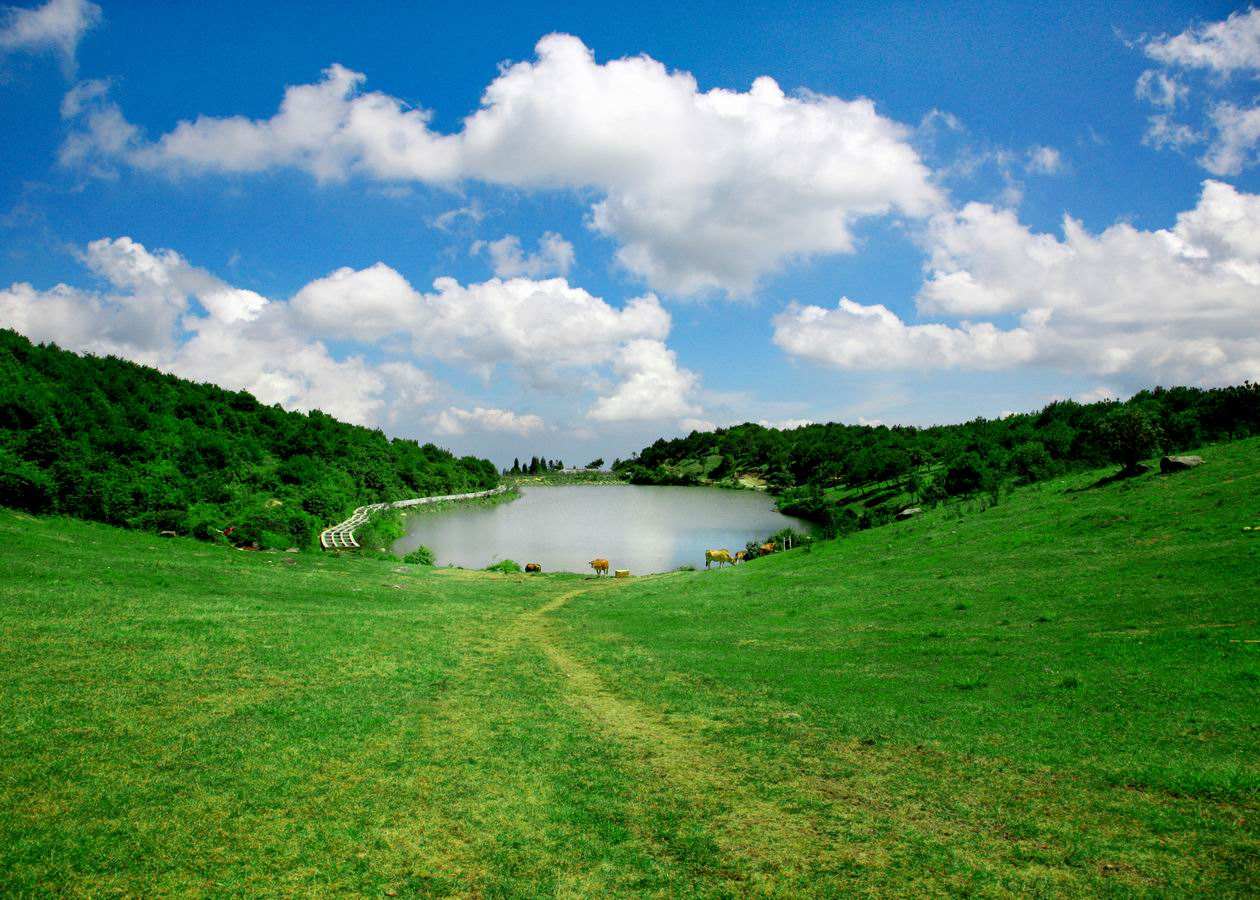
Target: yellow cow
{"points": [[600, 566], [719, 557]]}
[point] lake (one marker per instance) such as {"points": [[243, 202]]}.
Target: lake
{"points": [[637, 527]]}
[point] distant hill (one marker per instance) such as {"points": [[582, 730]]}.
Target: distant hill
{"points": [[109, 440], [848, 477]]}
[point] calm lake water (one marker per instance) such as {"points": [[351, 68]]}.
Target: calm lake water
{"points": [[640, 528]]}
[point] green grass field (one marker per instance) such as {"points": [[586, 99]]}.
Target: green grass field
{"points": [[1059, 695]]}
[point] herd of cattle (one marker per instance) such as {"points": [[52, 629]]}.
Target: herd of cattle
{"points": [[721, 557]]}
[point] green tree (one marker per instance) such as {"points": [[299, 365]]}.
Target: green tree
{"points": [[1130, 436]]}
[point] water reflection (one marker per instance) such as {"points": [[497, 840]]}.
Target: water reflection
{"points": [[643, 529]]}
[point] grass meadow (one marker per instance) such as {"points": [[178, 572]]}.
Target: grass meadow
{"points": [[1058, 695]]}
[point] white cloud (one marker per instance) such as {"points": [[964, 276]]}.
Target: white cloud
{"points": [[1044, 160], [702, 190], [1225, 47], [102, 134], [554, 256], [1162, 131], [244, 342], [162, 311], [57, 26], [853, 336], [1093, 395], [540, 328], [1232, 123], [690, 424], [653, 386], [1172, 305], [785, 424], [1161, 89], [1236, 142], [471, 213], [454, 420]]}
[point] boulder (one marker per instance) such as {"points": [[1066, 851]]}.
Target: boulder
{"points": [[293, 550], [166, 534], [1179, 463], [909, 513]]}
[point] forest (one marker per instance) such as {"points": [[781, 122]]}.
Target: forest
{"points": [[847, 477], [116, 442]]}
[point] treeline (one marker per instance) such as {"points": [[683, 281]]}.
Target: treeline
{"points": [[818, 470], [110, 440], [537, 465]]}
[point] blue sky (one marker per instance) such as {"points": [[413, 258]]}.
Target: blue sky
{"points": [[917, 162]]}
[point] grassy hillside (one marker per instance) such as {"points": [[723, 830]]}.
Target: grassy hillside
{"points": [[1057, 695], [851, 477]]}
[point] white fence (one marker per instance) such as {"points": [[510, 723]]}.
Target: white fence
{"points": [[341, 535]]}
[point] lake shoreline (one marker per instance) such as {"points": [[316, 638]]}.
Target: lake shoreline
{"points": [[647, 529]]}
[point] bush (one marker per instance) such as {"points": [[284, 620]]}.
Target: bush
{"points": [[24, 486], [421, 556], [965, 475], [1030, 462], [381, 530], [506, 566]]}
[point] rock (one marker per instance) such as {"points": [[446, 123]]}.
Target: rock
{"points": [[1179, 463], [909, 513], [293, 550], [166, 534]]}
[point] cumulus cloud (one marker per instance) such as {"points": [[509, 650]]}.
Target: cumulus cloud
{"points": [[1237, 139], [540, 328], [454, 420], [238, 339], [1226, 47], [1231, 121], [554, 256], [853, 336], [57, 26], [653, 386], [161, 310], [1169, 305], [702, 190]]}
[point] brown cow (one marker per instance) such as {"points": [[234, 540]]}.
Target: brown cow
{"points": [[719, 557], [767, 548], [741, 555], [532, 567], [600, 566]]}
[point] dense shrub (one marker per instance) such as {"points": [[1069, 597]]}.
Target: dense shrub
{"points": [[421, 556], [506, 566]]}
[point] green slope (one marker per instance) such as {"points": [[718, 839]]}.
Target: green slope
{"points": [[1057, 695]]}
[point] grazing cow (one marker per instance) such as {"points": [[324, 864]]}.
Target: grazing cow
{"points": [[741, 555], [600, 566], [532, 567], [719, 557], [767, 548]]}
